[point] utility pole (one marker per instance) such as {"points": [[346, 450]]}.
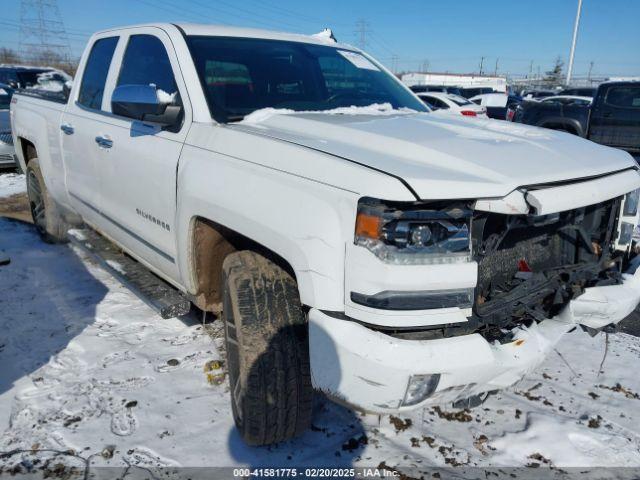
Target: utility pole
{"points": [[590, 69], [481, 64], [43, 38], [425, 65], [394, 63], [573, 42], [362, 28], [495, 70], [530, 69]]}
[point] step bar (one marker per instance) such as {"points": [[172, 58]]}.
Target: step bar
{"points": [[155, 292]]}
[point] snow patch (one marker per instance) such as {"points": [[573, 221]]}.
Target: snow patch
{"points": [[377, 109], [165, 97], [12, 184], [567, 443]]}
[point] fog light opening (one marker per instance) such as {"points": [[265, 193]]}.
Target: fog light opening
{"points": [[419, 388]]}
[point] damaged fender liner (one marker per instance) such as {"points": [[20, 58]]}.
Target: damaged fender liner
{"points": [[529, 268]]}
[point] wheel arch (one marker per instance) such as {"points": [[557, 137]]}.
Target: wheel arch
{"points": [[28, 151], [563, 124], [209, 244]]}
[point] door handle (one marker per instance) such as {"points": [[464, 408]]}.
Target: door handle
{"points": [[104, 142], [67, 128]]}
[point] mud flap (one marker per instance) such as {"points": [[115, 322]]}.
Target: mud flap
{"points": [[598, 307]]}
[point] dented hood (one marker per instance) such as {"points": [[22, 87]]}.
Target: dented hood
{"points": [[446, 158]]}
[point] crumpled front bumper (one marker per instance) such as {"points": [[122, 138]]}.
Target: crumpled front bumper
{"points": [[370, 370]]}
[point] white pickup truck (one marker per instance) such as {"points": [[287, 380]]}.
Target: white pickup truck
{"points": [[353, 242]]}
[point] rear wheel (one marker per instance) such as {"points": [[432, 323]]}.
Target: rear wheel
{"points": [[267, 345], [46, 216]]}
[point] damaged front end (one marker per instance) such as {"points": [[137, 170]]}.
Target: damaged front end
{"points": [[530, 267]]}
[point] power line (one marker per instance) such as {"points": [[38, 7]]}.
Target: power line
{"points": [[42, 32], [362, 29]]}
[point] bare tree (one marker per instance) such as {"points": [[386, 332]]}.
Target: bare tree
{"points": [[553, 77], [8, 55]]}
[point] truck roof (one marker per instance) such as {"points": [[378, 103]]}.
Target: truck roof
{"points": [[204, 29]]}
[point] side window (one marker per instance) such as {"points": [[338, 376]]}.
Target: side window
{"points": [[95, 73], [440, 104], [146, 62], [626, 97]]}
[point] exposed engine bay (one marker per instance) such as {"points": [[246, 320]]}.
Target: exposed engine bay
{"points": [[530, 267]]}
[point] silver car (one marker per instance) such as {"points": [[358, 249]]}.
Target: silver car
{"points": [[7, 152]]}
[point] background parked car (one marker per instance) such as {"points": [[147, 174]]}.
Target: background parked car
{"points": [[612, 118], [537, 94], [435, 88], [469, 92], [7, 159], [568, 100], [579, 91], [450, 103], [496, 104], [37, 78]]}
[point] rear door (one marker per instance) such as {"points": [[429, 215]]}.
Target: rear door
{"points": [[615, 116], [139, 165], [82, 119]]}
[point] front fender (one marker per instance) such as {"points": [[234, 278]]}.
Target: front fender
{"points": [[299, 203]]}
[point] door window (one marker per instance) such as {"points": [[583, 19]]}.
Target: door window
{"points": [[626, 97], [146, 62], [95, 73]]}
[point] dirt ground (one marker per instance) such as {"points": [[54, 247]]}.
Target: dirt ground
{"points": [[16, 206]]}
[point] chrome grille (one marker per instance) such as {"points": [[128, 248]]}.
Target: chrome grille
{"points": [[5, 137]]}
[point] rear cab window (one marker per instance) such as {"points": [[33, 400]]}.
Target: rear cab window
{"points": [[95, 73], [624, 97]]}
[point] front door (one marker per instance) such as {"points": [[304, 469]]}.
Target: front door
{"points": [[139, 167]]}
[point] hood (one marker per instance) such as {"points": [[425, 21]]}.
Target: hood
{"points": [[447, 157]]}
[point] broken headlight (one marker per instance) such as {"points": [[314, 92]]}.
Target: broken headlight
{"points": [[409, 234]]}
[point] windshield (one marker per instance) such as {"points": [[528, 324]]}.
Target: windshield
{"points": [[241, 75]]}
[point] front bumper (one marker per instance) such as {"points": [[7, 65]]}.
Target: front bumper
{"points": [[370, 370]]}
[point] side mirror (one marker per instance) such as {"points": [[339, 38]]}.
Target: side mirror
{"points": [[141, 102]]}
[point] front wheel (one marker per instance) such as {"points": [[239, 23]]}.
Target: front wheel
{"points": [[44, 211], [266, 336]]}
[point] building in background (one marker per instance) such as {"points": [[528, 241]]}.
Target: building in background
{"points": [[498, 83]]}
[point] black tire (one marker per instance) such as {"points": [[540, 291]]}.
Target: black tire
{"points": [[46, 215], [267, 344]]}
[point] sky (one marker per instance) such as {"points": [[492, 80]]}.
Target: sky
{"points": [[517, 36]]}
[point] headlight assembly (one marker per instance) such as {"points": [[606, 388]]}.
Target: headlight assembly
{"points": [[408, 234]]}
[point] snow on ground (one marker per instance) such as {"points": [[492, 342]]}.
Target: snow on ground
{"points": [[11, 184], [90, 374]]}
